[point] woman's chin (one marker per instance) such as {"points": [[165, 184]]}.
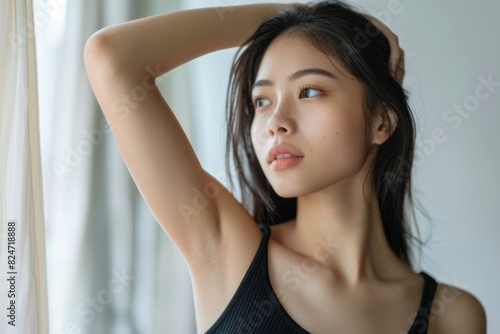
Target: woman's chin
{"points": [[288, 191]]}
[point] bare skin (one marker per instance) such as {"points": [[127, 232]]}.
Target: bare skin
{"points": [[360, 278]]}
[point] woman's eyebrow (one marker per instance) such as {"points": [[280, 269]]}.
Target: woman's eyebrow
{"points": [[297, 75], [310, 71]]}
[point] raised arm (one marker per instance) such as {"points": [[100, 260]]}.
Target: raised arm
{"points": [[122, 62], [169, 40]]}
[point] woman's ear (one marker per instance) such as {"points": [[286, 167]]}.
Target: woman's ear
{"points": [[383, 125]]}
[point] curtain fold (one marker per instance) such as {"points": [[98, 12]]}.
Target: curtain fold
{"points": [[23, 271], [111, 269]]}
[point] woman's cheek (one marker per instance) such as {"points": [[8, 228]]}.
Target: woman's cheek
{"points": [[350, 147], [339, 143], [258, 133]]}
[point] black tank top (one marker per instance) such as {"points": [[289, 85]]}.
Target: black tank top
{"points": [[255, 308]]}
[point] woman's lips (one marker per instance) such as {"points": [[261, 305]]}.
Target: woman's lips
{"points": [[285, 161], [283, 151]]}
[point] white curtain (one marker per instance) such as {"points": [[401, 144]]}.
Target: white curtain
{"points": [[23, 293], [110, 267]]}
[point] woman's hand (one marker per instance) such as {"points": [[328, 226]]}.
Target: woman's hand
{"points": [[397, 56]]}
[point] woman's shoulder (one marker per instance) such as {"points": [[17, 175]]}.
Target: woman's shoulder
{"points": [[457, 311]]}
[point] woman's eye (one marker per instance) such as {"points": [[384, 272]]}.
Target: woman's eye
{"points": [[310, 92], [261, 102]]}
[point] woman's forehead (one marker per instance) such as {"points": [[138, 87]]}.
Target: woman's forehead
{"points": [[290, 53]]}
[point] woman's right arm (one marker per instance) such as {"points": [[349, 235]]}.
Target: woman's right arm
{"points": [[122, 62]]}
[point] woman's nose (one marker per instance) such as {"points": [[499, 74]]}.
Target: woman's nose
{"points": [[281, 122]]}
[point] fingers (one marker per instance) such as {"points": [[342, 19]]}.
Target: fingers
{"points": [[396, 57], [399, 71], [396, 53], [397, 64]]}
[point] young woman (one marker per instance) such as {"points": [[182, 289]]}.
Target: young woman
{"points": [[322, 138]]}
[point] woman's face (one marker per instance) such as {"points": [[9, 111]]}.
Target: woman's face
{"points": [[305, 100]]}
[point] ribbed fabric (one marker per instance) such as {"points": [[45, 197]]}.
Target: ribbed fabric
{"points": [[255, 308], [422, 319]]}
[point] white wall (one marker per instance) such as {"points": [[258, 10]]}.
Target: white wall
{"points": [[449, 45]]}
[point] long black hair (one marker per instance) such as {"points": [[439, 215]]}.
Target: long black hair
{"points": [[340, 32]]}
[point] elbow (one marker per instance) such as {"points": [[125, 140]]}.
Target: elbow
{"points": [[103, 69], [104, 56], [108, 56], [98, 52]]}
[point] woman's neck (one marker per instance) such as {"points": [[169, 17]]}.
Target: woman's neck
{"points": [[343, 231]]}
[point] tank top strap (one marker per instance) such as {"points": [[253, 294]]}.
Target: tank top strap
{"points": [[266, 229], [430, 287], [421, 322]]}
